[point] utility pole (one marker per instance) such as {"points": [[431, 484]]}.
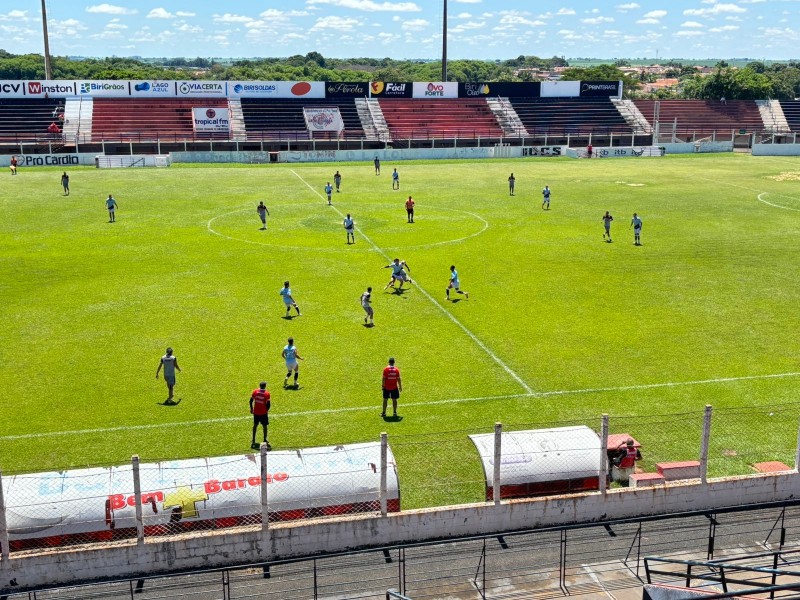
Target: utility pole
{"points": [[48, 71], [444, 42]]}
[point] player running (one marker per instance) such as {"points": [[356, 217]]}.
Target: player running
{"points": [[337, 180], [349, 227], [636, 223], [546, 198], [607, 218], [262, 211], [112, 206], [454, 283], [400, 271], [291, 356], [366, 304], [328, 191], [288, 299]]}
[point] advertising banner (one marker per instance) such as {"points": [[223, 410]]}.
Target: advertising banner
{"points": [[276, 89], [561, 89], [211, 120], [11, 89], [435, 89], [107, 87], [326, 118], [601, 89], [382, 89], [202, 88], [340, 89], [506, 89], [53, 89], [153, 89]]}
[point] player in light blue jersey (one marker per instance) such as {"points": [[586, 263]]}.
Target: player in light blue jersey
{"points": [[636, 223], [400, 270], [546, 198], [454, 283], [291, 356], [288, 300], [111, 205]]}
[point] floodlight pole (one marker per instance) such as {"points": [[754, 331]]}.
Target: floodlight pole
{"points": [[444, 42], [48, 71]]}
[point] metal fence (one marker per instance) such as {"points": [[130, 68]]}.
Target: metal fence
{"points": [[148, 499]]}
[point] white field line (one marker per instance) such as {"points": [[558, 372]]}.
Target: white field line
{"points": [[325, 411], [760, 199], [449, 315]]}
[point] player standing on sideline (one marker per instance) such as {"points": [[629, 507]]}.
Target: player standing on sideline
{"points": [[337, 180], [589, 151], [395, 180], [511, 181], [65, 183], [262, 211], [377, 162], [392, 386], [454, 283], [349, 227], [288, 300], [13, 165], [170, 362], [399, 268], [259, 408], [329, 191], [546, 198], [607, 218], [366, 304], [291, 356], [410, 209], [636, 223], [111, 205]]}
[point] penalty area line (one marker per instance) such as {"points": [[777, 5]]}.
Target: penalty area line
{"points": [[326, 411], [425, 293]]}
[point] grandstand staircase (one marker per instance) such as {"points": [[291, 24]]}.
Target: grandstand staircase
{"points": [[633, 117], [773, 116], [77, 120], [238, 129], [506, 116], [372, 120]]}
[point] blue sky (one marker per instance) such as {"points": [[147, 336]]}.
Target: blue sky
{"points": [[480, 29]]}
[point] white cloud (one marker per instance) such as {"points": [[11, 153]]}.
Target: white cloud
{"points": [[370, 5], [724, 28], [116, 26], [716, 9], [565, 11], [111, 9], [511, 19], [335, 23], [181, 13], [186, 28], [691, 24], [627, 7], [648, 22], [464, 15], [597, 20], [655, 14], [689, 33], [415, 24], [467, 26], [21, 15], [160, 13], [273, 13], [229, 18]]}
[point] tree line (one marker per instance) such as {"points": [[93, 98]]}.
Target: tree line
{"points": [[756, 80]]}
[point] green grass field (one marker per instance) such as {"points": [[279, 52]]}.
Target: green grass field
{"points": [[559, 326]]}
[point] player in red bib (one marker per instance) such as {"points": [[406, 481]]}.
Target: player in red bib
{"points": [[259, 408], [392, 386]]}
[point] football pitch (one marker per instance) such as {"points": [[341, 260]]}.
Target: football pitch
{"points": [[560, 325]]}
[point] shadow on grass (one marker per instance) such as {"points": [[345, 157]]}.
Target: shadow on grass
{"points": [[170, 402], [392, 419], [293, 387]]}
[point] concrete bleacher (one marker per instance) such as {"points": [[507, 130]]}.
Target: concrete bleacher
{"points": [[266, 118], [703, 116], [25, 118], [142, 119], [560, 116], [791, 110], [411, 118]]}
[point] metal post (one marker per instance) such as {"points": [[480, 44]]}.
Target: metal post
{"points": [[604, 454], [704, 445], [137, 494], [498, 456], [384, 466], [4, 549], [264, 505]]}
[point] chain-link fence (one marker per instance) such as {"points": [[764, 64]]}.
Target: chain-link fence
{"points": [[137, 501]]}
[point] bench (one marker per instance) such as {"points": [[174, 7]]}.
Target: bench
{"points": [[685, 469], [772, 466], [638, 480]]}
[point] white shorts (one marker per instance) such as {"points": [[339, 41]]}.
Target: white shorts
{"points": [[291, 365], [367, 309], [454, 284], [400, 276]]}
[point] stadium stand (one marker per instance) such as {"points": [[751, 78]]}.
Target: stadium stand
{"points": [[791, 110], [28, 118], [139, 119], [558, 116], [267, 119], [704, 116], [442, 118]]}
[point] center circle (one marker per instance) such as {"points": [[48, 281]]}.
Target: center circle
{"points": [[317, 226]]}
